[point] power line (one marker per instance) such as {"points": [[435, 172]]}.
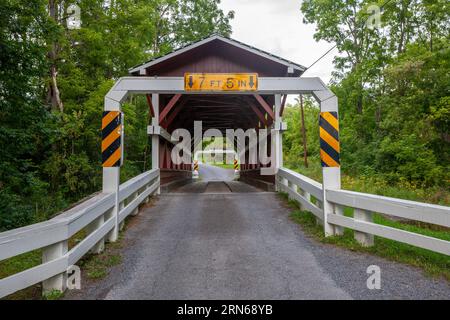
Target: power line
{"points": [[322, 56], [333, 47]]}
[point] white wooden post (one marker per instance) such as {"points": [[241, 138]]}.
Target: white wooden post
{"points": [[365, 239], [285, 183], [319, 204], [331, 175], [122, 224], [276, 145], [307, 196], [289, 183], [94, 225], [155, 138], [147, 199], [111, 181], [53, 252], [278, 120], [339, 210], [133, 197]]}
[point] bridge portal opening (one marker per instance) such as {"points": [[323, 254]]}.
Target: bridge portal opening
{"points": [[216, 112], [176, 102]]}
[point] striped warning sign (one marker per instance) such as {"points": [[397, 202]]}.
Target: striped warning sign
{"points": [[112, 139], [236, 166], [195, 165], [329, 139]]}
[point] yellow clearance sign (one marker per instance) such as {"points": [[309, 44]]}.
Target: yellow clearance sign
{"points": [[221, 81]]}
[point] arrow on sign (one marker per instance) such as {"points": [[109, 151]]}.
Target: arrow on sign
{"points": [[251, 82], [191, 82]]}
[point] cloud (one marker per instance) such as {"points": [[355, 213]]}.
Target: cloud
{"points": [[276, 26]]}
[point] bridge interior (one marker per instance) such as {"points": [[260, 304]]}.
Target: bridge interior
{"points": [[216, 111], [215, 54], [216, 180], [219, 112]]}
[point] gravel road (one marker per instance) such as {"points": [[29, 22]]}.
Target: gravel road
{"points": [[227, 240]]}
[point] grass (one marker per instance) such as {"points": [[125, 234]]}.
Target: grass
{"points": [[432, 263], [377, 185], [53, 295], [223, 165], [96, 266], [93, 267], [17, 264]]}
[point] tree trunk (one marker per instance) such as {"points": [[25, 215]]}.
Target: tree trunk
{"points": [[359, 103], [305, 150], [53, 95]]}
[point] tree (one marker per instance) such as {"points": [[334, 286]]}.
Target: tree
{"points": [[52, 86], [392, 86], [23, 29]]}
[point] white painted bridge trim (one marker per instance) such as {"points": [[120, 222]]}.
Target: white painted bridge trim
{"points": [[301, 188], [94, 215]]}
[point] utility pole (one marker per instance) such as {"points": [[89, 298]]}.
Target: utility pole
{"points": [[305, 151]]}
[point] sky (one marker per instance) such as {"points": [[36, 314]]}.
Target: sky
{"points": [[276, 26]]}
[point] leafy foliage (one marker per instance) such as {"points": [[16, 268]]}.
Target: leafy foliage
{"points": [[51, 152], [393, 86]]}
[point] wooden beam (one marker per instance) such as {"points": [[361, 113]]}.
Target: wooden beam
{"points": [[174, 113], [150, 105], [283, 102], [265, 106], [258, 113], [169, 107], [185, 120]]}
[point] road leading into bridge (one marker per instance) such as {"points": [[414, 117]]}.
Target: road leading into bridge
{"points": [[226, 240]]}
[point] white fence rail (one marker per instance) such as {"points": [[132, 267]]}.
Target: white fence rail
{"points": [[301, 188], [94, 216]]}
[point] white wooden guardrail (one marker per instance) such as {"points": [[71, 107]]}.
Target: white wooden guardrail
{"points": [[94, 216], [301, 188]]}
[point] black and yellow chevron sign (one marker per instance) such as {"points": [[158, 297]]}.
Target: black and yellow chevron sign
{"points": [[112, 139], [329, 139], [236, 167], [195, 165]]}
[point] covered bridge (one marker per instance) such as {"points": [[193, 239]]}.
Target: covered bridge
{"points": [[215, 54]]}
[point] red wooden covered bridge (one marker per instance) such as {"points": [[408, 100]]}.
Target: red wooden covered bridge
{"points": [[216, 55], [226, 85]]}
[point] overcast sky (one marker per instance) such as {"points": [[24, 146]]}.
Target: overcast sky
{"points": [[276, 26]]}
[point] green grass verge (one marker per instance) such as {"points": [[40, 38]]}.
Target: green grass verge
{"points": [[223, 165], [93, 267], [96, 266], [18, 264], [434, 264], [378, 185]]}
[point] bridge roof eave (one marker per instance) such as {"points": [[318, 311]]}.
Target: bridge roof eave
{"points": [[293, 69]]}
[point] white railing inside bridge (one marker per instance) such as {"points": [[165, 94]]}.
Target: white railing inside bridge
{"points": [[302, 189], [93, 215]]}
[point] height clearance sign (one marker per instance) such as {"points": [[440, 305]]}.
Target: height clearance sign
{"points": [[221, 81]]}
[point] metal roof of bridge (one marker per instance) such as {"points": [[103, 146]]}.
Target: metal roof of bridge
{"points": [[230, 56]]}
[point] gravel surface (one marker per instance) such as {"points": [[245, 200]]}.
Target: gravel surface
{"points": [[242, 245]]}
